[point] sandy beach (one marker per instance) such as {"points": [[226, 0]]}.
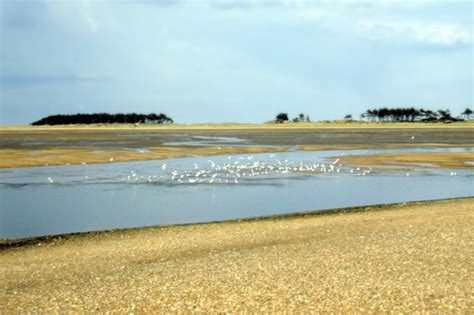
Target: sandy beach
{"points": [[412, 257]]}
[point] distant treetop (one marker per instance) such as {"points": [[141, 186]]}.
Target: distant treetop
{"points": [[104, 118], [281, 117]]}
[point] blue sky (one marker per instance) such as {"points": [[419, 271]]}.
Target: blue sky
{"points": [[245, 61]]}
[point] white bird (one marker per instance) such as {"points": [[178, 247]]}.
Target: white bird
{"points": [[50, 180], [412, 137], [111, 159], [163, 167]]}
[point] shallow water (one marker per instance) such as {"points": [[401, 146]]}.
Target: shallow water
{"points": [[209, 141], [61, 199]]}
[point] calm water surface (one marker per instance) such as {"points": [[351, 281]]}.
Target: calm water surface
{"points": [[62, 199]]}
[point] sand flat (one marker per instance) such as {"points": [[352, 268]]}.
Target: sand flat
{"points": [[402, 258], [34, 146], [450, 160], [61, 155]]}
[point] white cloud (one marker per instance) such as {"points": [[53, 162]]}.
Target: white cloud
{"points": [[88, 17], [435, 34]]}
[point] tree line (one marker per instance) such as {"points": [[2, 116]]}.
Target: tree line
{"points": [[282, 117], [104, 118], [411, 114], [408, 114]]}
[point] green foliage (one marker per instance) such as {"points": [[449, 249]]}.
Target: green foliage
{"points": [[281, 118], [104, 118], [410, 114]]}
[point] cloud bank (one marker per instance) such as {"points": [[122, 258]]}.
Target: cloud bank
{"points": [[233, 60]]}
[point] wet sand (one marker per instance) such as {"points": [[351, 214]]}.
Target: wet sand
{"points": [[413, 257], [449, 160], [39, 146], [91, 155]]}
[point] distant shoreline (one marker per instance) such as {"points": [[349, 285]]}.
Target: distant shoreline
{"points": [[205, 126]]}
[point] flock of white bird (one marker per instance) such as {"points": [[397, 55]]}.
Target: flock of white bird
{"points": [[239, 168]]}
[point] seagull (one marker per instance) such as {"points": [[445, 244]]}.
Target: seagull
{"points": [[212, 163]]}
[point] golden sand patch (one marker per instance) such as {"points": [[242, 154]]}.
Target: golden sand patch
{"points": [[411, 159], [366, 146], [89, 154]]}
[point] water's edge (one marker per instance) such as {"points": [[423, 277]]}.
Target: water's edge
{"points": [[51, 239]]}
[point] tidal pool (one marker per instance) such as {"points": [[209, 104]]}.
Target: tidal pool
{"points": [[37, 201]]}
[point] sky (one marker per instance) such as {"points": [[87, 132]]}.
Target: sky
{"points": [[233, 60]]}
